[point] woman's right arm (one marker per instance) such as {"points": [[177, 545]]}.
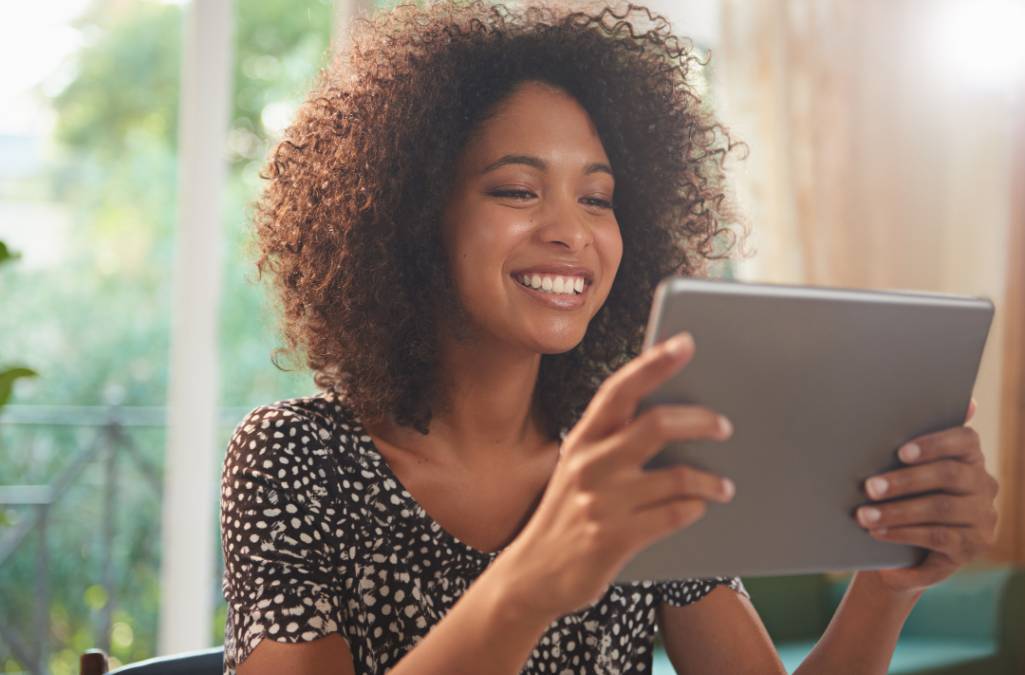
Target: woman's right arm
{"points": [[486, 631], [600, 508]]}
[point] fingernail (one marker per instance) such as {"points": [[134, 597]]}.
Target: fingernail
{"points": [[910, 452], [679, 344], [725, 426], [877, 487], [869, 514], [729, 488]]}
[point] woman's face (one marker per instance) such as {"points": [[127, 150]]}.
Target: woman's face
{"points": [[531, 206]]}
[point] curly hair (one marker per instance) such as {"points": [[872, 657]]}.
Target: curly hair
{"points": [[348, 223]]}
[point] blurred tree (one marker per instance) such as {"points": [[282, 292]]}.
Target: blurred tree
{"points": [[10, 374], [102, 334]]}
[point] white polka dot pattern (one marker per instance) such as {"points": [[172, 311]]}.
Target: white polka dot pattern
{"points": [[320, 537]]}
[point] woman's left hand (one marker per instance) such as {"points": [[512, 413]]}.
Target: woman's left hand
{"points": [[955, 520]]}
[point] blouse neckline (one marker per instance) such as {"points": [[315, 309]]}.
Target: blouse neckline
{"points": [[370, 447]]}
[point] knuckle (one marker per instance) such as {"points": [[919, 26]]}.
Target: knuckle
{"points": [[944, 506], [898, 481], [972, 436], [590, 506], [683, 479], [994, 485], [577, 471], [939, 537], [661, 421], [949, 472]]}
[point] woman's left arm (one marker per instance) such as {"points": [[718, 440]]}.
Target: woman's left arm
{"points": [[946, 506]]}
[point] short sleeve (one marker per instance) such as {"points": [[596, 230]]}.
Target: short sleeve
{"points": [[680, 592], [283, 565]]}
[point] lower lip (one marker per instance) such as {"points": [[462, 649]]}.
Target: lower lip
{"points": [[555, 300]]}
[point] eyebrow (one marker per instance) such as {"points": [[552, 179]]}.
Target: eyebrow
{"points": [[540, 164]]}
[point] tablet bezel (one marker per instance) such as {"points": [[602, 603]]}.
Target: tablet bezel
{"points": [[714, 546]]}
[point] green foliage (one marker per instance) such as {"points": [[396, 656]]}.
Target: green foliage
{"points": [[7, 255], [10, 374], [7, 379], [126, 81], [102, 334]]}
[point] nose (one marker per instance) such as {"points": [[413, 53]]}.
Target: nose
{"points": [[563, 222]]}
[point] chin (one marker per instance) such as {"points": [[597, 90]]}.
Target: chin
{"points": [[558, 344]]}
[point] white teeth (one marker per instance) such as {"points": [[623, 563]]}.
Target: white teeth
{"points": [[553, 283]]}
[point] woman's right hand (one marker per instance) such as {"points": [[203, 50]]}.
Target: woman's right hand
{"points": [[601, 507]]}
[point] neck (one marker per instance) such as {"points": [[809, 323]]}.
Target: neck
{"points": [[486, 413], [488, 397]]}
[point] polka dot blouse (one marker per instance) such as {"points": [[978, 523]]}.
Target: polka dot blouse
{"points": [[320, 537]]}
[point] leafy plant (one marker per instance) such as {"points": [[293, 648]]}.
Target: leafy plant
{"points": [[106, 338], [10, 374]]}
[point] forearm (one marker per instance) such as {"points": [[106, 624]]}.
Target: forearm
{"points": [[863, 633], [485, 632]]}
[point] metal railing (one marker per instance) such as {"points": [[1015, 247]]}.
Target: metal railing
{"points": [[109, 443]]}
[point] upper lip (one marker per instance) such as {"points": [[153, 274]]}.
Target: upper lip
{"points": [[563, 269]]}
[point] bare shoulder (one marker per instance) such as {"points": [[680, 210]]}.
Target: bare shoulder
{"points": [[720, 633], [329, 655]]}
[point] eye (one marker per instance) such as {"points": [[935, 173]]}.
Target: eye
{"points": [[599, 202], [512, 194]]}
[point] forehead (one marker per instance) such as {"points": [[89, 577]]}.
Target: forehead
{"points": [[536, 119]]}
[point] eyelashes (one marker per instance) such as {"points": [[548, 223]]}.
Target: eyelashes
{"points": [[526, 194], [513, 194]]}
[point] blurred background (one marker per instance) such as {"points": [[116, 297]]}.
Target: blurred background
{"points": [[886, 150]]}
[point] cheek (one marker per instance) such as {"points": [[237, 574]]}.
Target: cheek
{"points": [[610, 243], [481, 243]]}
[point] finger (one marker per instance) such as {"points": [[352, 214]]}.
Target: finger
{"points": [[937, 509], [652, 430], [971, 411], [616, 400], [648, 525], [961, 443], [947, 475], [652, 488], [958, 543]]}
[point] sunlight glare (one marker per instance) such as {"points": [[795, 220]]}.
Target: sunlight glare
{"points": [[979, 42]]}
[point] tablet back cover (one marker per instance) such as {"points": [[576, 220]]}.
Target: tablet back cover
{"points": [[822, 386]]}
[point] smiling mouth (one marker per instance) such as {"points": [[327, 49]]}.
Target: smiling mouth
{"points": [[553, 284]]}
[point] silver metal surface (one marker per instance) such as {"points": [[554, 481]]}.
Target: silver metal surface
{"points": [[822, 387]]}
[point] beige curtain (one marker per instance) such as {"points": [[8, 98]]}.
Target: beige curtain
{"points": [[871, 167]]}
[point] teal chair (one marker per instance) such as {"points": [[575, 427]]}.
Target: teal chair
{"points": [[971, 624]]}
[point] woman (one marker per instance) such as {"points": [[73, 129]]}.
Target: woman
{"points": [[465, 226]]}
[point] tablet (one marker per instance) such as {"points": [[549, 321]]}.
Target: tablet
{"points": [[822, 385]]}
